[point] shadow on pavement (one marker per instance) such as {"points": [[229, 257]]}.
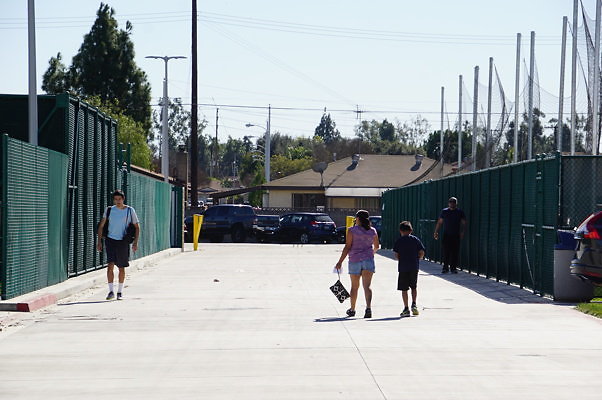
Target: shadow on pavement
{"points": [[384, 319], [331, 319], [498, 291], [85, 302]]}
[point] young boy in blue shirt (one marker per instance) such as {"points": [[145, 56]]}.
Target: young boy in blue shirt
{"points": [[408, 251]]}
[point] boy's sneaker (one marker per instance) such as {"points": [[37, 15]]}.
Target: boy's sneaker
{"points": [[119, 296], [444, 271], [405, 313], [110, 296], [414, 309], [454, 270]]}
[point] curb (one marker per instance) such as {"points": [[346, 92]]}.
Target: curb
{"points": [[51, 295]]}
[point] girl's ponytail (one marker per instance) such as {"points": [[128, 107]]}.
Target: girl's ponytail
{"points": [[364, 219]]}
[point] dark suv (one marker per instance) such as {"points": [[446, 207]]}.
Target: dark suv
{"points": [[265, 227], [306, 227], [223, 219]]}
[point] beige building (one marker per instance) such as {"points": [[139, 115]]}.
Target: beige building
{"points": [[351, 182]]}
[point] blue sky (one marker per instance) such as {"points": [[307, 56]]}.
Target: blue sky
{"points": [[380, 55]]}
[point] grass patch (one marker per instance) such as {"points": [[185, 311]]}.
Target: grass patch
{"points": [[595, 307]]}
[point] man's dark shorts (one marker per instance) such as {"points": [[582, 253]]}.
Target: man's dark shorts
{"points": [[407, 280], [118, 252]]}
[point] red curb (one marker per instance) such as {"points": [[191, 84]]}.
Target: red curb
{"points": [[37, 303]]}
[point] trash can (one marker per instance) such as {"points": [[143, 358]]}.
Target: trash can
{"points": [[568, 287]]}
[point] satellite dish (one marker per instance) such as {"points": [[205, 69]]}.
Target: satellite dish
{"points": [[320, 167], [419, 158]]}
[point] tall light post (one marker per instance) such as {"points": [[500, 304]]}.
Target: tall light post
{"points": [[32, 97], [266, 161], [165, 113]]}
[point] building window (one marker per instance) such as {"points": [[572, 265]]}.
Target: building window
{"points": [[306, 200], [370, 203]]}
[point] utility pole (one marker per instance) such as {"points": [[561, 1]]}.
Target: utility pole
{"points": [[194, 117], [215, 146], [596, 96], [460, 123], [488, 132], [266, 157], [574, 77], [560, 126], [165, 126], [33, 95], [516, 99], [475, 110], [441, 132], [530, 110]]}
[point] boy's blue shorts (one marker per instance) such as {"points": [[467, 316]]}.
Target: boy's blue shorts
{"points": [[356, 268]]}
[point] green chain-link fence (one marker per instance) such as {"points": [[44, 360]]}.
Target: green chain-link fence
{"points": [[34, 210], [42, 189], [512, 212]]}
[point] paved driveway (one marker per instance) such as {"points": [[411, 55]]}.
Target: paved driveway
{"points": [[258, 322]]}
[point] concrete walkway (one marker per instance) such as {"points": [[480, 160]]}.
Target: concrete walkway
{"points": [[254, 321]]}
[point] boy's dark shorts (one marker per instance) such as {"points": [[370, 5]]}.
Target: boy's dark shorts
{"points": [[118, 252], [407, 280]]}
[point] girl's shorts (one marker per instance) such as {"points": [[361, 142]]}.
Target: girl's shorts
{"points": [[356, 268]]}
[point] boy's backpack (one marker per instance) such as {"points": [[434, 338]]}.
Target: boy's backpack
{"points": [[105, 228]]}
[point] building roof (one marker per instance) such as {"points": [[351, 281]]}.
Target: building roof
{"points": [[372, 171]]}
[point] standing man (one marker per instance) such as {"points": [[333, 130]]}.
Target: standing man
{"points": [[118, 218], [454, 224]]}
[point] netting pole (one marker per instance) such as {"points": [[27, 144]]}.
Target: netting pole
{"points": [[516, 98], [441, 132], [531, 73], [475, 109], [460, 123], [574, 77], [596, 96], [32, 97], [488, 132], [560, 124]]}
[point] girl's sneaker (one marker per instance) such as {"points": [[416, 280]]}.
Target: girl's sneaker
{"points": [[405, 313], [350, 313], [368, 313]]}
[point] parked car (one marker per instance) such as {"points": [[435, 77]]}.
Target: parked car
{"points": [[306, 227], [587, 263], [376, 222], [265, 227], [235, 220]]}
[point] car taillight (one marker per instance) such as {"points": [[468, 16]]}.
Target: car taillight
{"points": [[591, 227], [314, 223]]}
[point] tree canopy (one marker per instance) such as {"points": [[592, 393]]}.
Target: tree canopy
{"points": [[104, 66]]}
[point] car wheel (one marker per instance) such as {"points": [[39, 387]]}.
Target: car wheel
{"points": [[304, 238], [217, 238], [238, 234]]}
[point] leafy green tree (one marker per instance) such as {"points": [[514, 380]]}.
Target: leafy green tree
{"points": [[450, 145], [327, 129], [128, 131], [104, 66], [386, 131]]}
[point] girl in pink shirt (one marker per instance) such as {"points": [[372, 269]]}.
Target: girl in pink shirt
{"points": [[361, 244]]}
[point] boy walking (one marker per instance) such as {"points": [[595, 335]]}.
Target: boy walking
{"points": [[118, 217], [408, 251]]}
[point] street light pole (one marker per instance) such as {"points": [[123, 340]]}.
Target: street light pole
{"points": [[165, 127], [32, 97]]}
